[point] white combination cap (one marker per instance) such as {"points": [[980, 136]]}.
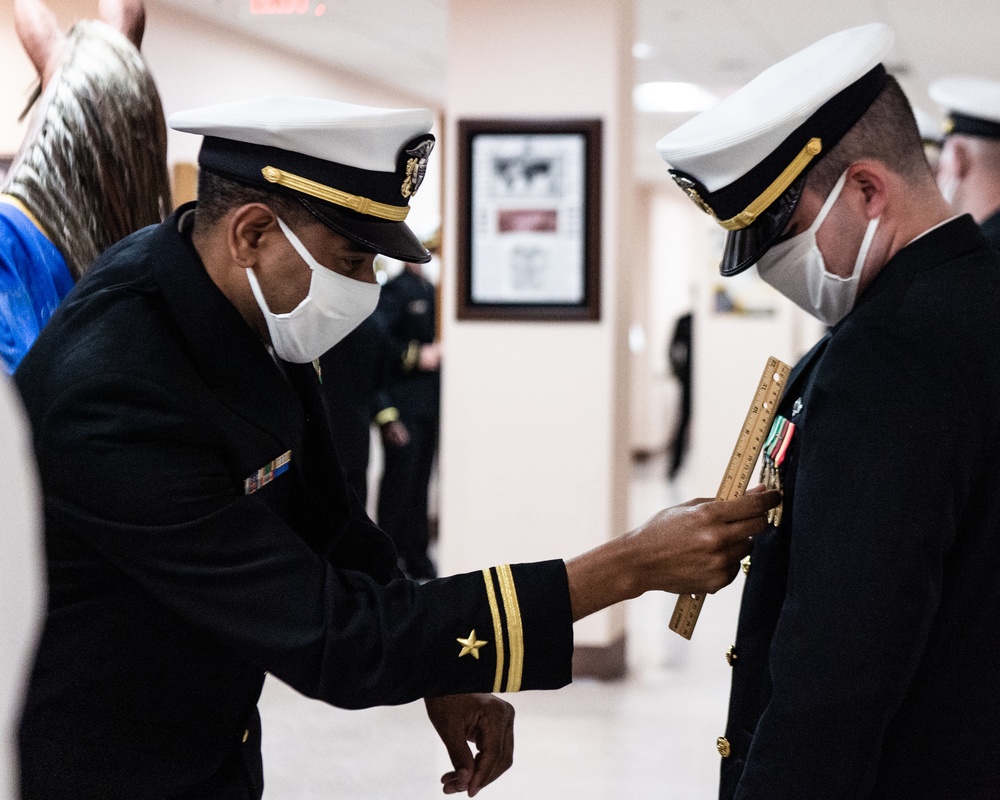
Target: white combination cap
{"points": [[972, 105], [742, 160], [354, 167]]}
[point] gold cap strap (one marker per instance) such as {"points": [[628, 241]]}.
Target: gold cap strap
{"points": [[363, 205], [776, 189]]}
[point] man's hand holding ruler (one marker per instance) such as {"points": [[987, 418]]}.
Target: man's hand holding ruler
{"points": [[740, 469]]}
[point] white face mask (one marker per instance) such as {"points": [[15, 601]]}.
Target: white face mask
{"points": [[334, 307], [795, 268]]}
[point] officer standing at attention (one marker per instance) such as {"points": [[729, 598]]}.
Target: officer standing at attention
{"points": [[865, 664], [407, 314], [969, 170], [199, 530]]}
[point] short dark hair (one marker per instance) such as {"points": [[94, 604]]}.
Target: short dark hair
{"points": [[218, 195], [886, 132]]}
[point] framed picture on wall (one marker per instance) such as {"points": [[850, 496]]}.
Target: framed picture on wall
{"points": [[529, 239]]}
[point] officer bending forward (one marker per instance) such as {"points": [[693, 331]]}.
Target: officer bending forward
{"points": [[199, 529]]}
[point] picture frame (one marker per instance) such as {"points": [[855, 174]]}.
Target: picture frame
{"points": [[529, 220]]}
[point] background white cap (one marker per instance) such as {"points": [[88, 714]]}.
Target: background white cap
{"points": [[969, 101]]}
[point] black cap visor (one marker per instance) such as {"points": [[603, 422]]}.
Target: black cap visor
{"points": [[745, 247], [392, 239]]}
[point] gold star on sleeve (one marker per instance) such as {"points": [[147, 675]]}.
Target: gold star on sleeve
{"points": [[470, 645]]}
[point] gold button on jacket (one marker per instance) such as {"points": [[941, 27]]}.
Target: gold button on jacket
{"points": [[722, 743]]}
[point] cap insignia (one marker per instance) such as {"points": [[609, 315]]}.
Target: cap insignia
{"points": [[689, 187], [416, 167]]}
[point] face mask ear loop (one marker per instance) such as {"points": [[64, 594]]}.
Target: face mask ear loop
{"points": [[300, 248], [828, 204], [257, 293], [866, 244]]}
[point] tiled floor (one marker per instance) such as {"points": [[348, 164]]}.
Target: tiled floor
{"points": [[651, 735]]}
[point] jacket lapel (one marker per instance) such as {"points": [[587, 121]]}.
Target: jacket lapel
{"points": [[319, 467], [793, 389]]}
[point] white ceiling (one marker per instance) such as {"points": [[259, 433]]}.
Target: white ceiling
{"points": [[720, 44], [398, 43]]}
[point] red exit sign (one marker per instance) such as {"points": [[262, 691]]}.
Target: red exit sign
{"points": [[284, 7]]}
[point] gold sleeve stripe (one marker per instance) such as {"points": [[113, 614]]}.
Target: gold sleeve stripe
{"points": [[515, 632], [491, 597], [412, 356], [363, 205]]}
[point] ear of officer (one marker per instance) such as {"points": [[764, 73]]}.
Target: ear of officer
{"points": [[250, 238], [871, 191]]}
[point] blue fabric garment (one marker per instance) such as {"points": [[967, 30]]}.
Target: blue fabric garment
{"points": [[34, 278]]}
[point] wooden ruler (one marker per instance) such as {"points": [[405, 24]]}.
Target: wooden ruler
{"points": [[740, 470]]}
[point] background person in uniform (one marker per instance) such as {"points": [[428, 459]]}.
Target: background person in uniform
{"points": [[679, 359], [354, 373], [865, 661], [199, 530], [22, 582], [969, 170], [407, 313]]}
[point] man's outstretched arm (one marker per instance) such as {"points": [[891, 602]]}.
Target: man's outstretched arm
{"points": [[695, 547], [691, 548]]}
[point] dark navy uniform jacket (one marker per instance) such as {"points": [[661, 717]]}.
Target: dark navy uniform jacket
{"points": [[179, 574], [991, 229], [354, 373], [867, 661]]}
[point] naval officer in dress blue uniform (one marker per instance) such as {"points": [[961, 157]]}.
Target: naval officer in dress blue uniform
{"points": [[865, 664], [199, 530], [407, 315], [970, 159]]}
